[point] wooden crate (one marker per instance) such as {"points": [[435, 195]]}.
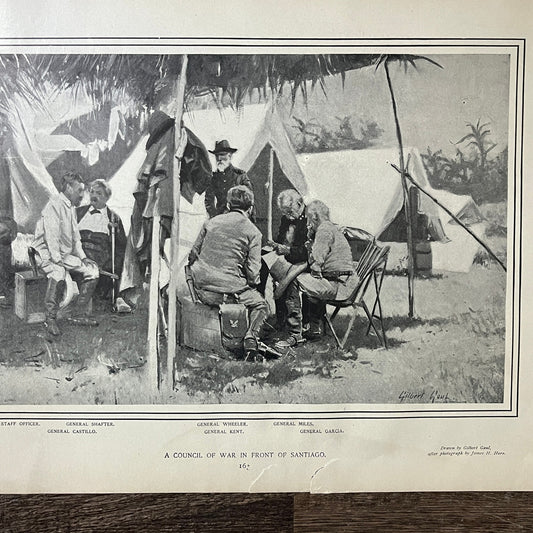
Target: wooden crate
{"points": [[29, 296], [200, 327], [30, 291]]}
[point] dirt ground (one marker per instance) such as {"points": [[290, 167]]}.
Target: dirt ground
{"points": [[453, 351]]}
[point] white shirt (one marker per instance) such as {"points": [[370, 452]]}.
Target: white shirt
{"points": [[95, 222], [57, 234]]}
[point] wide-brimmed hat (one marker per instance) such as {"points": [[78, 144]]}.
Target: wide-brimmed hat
{"points": [[223, 147], [71, 291], [284, 273]]}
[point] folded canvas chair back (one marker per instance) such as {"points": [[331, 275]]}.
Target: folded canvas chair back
{"points": [[371, 266]]}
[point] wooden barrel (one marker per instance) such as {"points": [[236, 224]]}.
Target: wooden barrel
{"points": [[423, 258], [200, 327]]}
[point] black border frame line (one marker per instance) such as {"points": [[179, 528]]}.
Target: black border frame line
{"points": [[519, 45]]}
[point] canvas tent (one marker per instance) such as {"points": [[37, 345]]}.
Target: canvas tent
{"points": [[43, 135], [458, 254], [254, 130], [462, 206], [362, 190], [30, 183]]}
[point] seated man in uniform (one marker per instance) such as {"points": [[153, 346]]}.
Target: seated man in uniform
{"points": [[226, 259], [290, 243], [58, 245], [332, 273], [96, 222]]}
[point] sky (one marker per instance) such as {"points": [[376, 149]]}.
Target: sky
{"points": [[434, 104]]}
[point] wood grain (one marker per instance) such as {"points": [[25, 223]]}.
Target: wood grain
{"points": [[146, 512], [470, 512], [485, 512]]}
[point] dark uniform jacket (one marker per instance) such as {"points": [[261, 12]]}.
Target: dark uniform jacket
{"points": [[226, 257], [97, 246], [293, 233], [221, 183]]}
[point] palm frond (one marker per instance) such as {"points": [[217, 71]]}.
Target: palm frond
{"points": [[145, 78], [463, 139]]}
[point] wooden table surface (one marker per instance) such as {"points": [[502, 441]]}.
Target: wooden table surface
{"points": [[481, 512]]}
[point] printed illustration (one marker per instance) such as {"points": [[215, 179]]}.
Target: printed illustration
{"points": [[256, 229]]}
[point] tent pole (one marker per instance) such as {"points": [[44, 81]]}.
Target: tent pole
{"points": [[179, 97], [153, 315], [407, 202], [270, 193], [113, 245], [448, 212]]}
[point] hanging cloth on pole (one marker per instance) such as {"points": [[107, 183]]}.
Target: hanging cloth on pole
{"points": [[156, 174]]}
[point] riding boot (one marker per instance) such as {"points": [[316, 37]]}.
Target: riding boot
{"points": [[257, 318], [82, 318], [305, 310], [51, 303], [317, 310]]}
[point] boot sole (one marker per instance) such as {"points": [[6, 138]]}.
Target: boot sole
{"points": [[84, 324]]}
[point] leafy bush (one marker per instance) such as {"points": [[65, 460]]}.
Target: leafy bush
{"points": [[473, 173], [312, 136], [496, 216]]}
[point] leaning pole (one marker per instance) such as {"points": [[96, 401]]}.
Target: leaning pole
{"points": [[456, 219], [406, 199]]}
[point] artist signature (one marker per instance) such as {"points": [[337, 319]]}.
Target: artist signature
{"points": [[435, 396]]}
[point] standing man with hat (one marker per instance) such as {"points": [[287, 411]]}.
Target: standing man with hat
{"points": [[224, 178]]}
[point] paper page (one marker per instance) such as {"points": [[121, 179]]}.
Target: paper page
{"points": [[434, 401]]}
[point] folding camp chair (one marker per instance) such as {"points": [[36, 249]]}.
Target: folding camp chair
{"points": [[370, 268]]}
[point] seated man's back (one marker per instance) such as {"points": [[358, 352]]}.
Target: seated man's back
{"points": [[226, 259], [229, 259]]}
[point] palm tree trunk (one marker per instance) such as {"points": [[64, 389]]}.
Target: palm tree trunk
{"points": [[407, 202], [179, 95]]}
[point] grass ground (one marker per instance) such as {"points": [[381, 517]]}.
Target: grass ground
{"points": [[454, 347], [452, 352]]}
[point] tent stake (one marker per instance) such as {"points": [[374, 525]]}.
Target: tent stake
{"points": [[448, 212], [407, 202], [179, 97]]}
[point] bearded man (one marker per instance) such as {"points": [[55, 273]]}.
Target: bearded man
{"points": [[332, 274], [224, 178]]}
